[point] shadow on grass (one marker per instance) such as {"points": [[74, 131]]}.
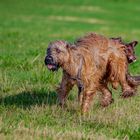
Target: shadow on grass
{"points": [[27, 99]]}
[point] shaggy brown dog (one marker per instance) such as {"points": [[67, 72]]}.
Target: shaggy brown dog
{"points": [[86, 63], [134, 81]]}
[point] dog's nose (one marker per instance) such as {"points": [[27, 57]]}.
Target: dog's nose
{"points": [[48, 60]]}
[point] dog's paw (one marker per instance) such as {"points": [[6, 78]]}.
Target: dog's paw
{"points": [[128, 93], [106, 102]]}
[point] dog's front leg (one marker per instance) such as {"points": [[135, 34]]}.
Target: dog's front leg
{"points": [[88, 93], [106, 95], [87, 99], [66, 85]]}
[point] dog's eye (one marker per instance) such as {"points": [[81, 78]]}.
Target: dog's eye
{"points": [[57, 50]]}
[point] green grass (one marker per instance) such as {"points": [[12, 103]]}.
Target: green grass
{"points": [[28, 100]]}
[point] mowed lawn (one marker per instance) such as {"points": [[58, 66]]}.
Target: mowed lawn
{"points": [[28, 100]]}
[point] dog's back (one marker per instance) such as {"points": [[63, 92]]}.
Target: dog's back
{"points": [[108, 55]]}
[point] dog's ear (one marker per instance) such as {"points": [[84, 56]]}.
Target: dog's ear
{"points": [[67, 45], [119, 39], [133, 44]]}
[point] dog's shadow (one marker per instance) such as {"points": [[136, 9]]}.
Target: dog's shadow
{"points": [[28, 99]]}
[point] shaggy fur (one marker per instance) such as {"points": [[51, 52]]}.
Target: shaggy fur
{"points": [[130, 54], [91, 63], [129, 49]]}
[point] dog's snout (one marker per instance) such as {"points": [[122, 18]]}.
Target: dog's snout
{"points": [[48, 60]]}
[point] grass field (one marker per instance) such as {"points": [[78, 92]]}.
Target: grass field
{"points": [[28, 101]]}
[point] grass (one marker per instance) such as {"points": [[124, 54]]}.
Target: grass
{"points": [[28, 100]]}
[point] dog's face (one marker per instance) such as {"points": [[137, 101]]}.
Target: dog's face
{"points": [[56, 54], [130, 52], [129, 49]]}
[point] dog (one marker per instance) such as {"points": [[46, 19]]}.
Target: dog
{"points": [[86, 63], [134, 81]]}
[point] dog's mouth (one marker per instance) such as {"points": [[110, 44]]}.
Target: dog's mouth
{"points": [[132, 59], [51, 64], [52, 67]]}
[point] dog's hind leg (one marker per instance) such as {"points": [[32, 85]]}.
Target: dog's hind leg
{"points": [[118, 73]]}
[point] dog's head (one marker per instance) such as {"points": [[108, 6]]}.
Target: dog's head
{"points": [[130, 52], [57, 53], [129, 49]]}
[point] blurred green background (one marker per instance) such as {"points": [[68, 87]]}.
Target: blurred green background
{"points": [[28, 101]]}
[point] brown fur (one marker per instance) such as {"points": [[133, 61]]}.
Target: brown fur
{"points": [[101, 59], [132, 80], [130, 54], [129, 49]]}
